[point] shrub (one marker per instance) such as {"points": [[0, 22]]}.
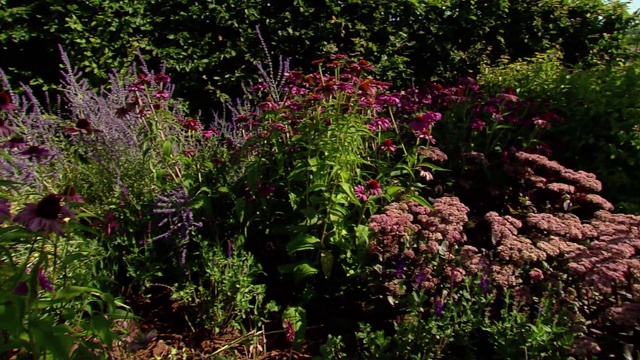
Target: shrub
{"points": [[600, 128]]}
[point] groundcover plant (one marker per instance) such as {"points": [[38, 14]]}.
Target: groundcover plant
{"points": [[326, 214]]}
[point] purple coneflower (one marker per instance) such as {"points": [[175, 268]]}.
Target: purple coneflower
{"points": [[387, 145], [6, 103], [83, 126], [69, 194], [191, 124], [162, 78], [381, 124], [14, 142], [161, 95], [373, 186], [361, 192], [35, 152], [45, 216]]}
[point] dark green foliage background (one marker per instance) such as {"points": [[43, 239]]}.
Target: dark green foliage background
{"points": [[210, 45]]}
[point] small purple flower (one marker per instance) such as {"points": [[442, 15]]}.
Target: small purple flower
{"points": [[45, 284], [419, 278], [484, 285], [400, 267], [361, 193], [439, 307]]}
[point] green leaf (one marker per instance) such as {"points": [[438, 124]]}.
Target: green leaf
{"points": [[70, 292], [303, 271], [167, 149], [302, 242], [392, 190], [326, 261]]}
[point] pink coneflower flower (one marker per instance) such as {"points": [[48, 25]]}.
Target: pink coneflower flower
{"points": [[209, 133], [478, 124], [191, 124], [508, 95], [69, 194], [425, 121], [373, 186], [381, 124], [15, 142], [161, 95], [35, 152], [45, 216], [189, 152], [162, 78], [6, 103], [425, 174], [83, 126], [541, 123], [5, 130], [426, 134], [387, 145], [5, 210], [361, 193]]}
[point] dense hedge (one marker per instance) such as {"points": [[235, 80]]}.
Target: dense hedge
{"points": [[212, 44]]}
